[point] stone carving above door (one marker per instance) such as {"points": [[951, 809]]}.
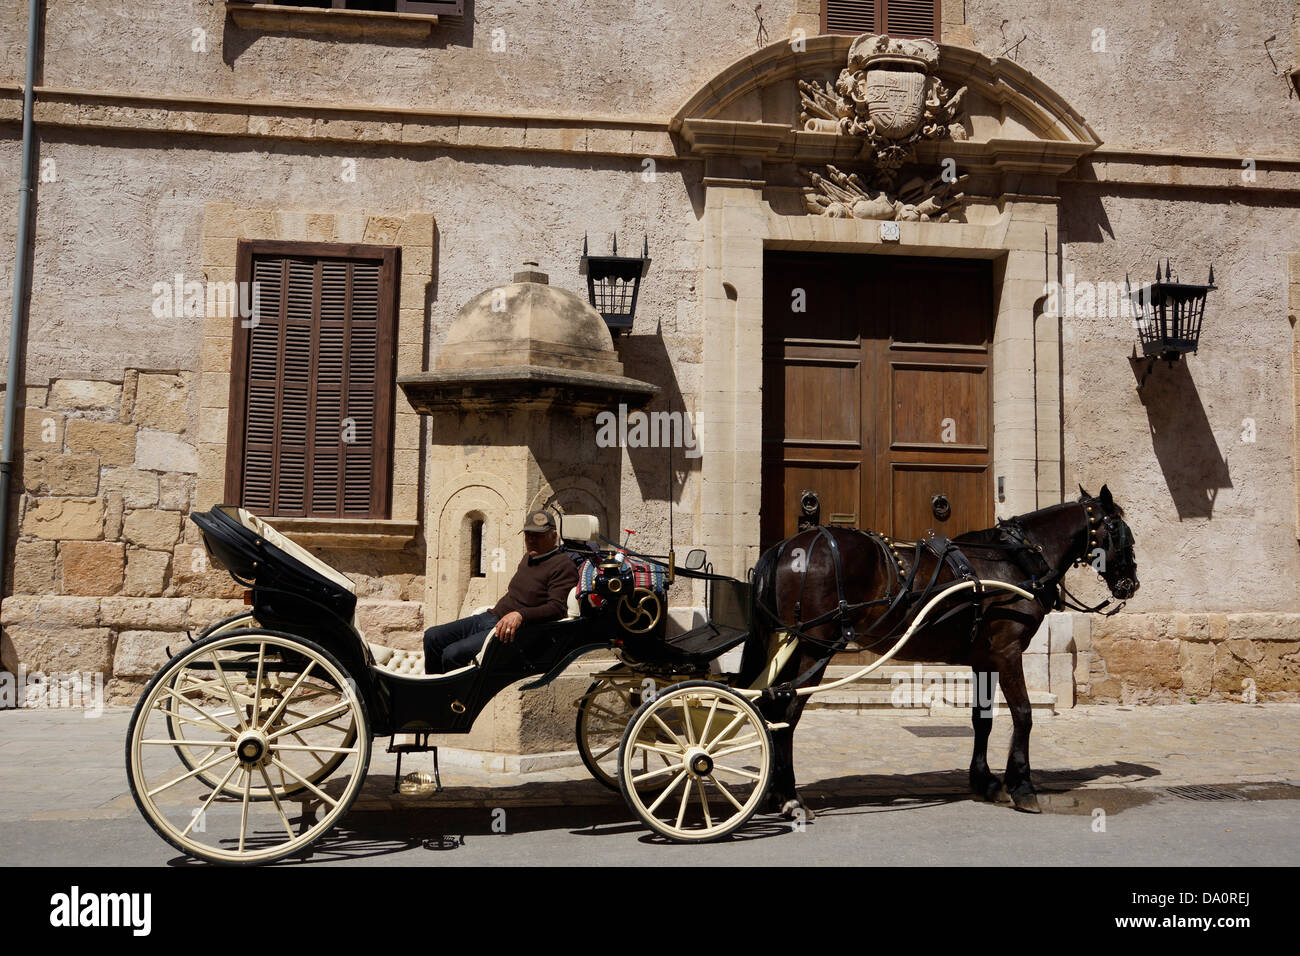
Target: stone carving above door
{"points": [[890, 97]]}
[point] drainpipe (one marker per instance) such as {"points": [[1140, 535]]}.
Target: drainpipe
{"points": [[17, 316]]}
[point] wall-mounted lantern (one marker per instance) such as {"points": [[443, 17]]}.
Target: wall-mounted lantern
{"points": [[1168, 317], [613, 283]]}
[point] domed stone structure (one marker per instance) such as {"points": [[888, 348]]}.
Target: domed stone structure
{"points": [[529, 322], [511, 404], [526, 344]]}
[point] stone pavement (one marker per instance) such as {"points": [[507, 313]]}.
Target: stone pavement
{"points": [[59, 765]]}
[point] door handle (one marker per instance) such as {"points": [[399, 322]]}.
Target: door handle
{"points": [[941, 507]]}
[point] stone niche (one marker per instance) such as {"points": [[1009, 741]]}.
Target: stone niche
{"points": [[512, 401]]}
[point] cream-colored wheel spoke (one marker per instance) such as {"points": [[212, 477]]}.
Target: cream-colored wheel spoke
{"points": [[206, 725], [275, 797], [199, 769], [275, 714], [332, 712], [243, 811], [311, 748], [681, 807], [739, 773], [739, 748], [656, 773], [670, 788], [704, 801], [257, 685], [726, 730], [210, 744], [305, 782], [708, 722], [185, 700], [194, 818], [639, 745], [230, 695], [685, 707], [298, 737], [672, 736], [726, 793]]}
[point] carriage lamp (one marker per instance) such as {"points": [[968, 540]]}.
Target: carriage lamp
{"points": [[1168, 317], [613, 283]]}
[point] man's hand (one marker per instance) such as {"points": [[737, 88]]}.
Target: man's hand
{"points": [[508, 625]]}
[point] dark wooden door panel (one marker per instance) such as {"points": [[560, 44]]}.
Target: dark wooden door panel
{"points": [[876, 391], [914, 487]]}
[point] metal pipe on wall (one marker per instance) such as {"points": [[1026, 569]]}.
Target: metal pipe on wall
{"points": [[17, 315]]}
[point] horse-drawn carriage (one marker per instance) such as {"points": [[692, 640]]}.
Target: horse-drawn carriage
{"points": [[252, 742]]}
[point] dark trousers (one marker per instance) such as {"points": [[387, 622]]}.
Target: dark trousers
{"points": [[452, 645]]}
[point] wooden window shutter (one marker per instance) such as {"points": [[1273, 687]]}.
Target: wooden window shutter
{"points": [[312, 387], [899, 18]]}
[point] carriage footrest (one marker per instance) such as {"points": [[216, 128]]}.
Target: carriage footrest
{"points": [[417, 744]]}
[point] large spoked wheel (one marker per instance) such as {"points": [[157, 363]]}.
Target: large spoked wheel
{"points": [[194, 753], [267, 710], [710, 757], [603, 714]]}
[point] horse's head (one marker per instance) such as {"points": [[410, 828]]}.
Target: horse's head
{"points": [[1110, 534]]}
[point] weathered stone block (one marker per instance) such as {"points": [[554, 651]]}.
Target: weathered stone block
{"points": [[112, 441], [158, 530], [384, 616], [1265, 666], [91, 567], [43, 429], [146, 613], [141, 653], [34, 568], [49, 610], [1140, 662], [193, 575], [81, 395], [176, 492], [163, 451], [139, 489], [114, 509], [160, 401], [146, 573], [51, 650], [1196, 663], [65, 519], [46, 474], [204, 612]]}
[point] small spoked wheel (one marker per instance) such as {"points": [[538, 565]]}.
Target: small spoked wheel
{"points": [[709, 756], [264, 714], [603, 713]]}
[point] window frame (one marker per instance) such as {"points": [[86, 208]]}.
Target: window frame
{"points": [[390, 263], [449, 8], [880, 13]]}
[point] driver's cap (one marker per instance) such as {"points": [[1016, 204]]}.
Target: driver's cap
{"points": [[538, 522]]}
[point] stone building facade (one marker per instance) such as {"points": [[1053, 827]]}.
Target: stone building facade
{"points": [[1088, 147]]}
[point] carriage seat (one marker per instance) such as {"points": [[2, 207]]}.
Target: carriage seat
{"points": [[395, 660]]}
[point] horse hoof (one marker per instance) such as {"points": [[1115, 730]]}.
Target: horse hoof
{"points": [[993, 791], [1026, 802], [797, 809]]}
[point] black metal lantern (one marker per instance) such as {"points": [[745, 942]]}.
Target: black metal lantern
{"points": [[1168, 317], [613, 283]]}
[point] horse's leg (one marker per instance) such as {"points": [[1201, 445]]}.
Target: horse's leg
{"points": [[983, 782], [783, 797], [1018, 782]]}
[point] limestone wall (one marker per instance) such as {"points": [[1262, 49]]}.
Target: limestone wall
{"points": [[107, 570]]}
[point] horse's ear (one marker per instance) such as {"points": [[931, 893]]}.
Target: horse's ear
{"points": [[1084, 493], [1106, 500]]}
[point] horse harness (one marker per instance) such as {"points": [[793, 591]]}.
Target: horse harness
{"points": [[1041, 580]]}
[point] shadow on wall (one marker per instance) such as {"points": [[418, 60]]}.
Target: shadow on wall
{"points": [[1184, 444], [666, 424]]}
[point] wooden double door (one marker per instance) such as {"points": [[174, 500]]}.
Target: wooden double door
{"points": [[877, 389]]}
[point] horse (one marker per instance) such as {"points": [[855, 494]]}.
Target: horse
{"points": [[846, 584]]}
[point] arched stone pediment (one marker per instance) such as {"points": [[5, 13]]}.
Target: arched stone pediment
{"points": [[1011, 121]]}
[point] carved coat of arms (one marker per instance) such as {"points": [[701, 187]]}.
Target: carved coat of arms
{"points": [[889, 95]]}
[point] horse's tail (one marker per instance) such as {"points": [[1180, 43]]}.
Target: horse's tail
{"points": [[761, 602]]}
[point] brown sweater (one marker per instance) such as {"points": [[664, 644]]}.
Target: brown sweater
{"points": [[539, 591]]}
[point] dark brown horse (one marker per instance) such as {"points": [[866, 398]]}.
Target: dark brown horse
{"points": [[799, 581]]}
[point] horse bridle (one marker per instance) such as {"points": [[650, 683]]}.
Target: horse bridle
{"points": [[1118, 535]]}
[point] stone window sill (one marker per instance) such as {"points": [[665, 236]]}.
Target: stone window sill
{"points": [[369, 534], [324, 20]]}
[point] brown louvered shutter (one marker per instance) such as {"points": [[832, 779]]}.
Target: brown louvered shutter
{"points": [[900, 18], [312, 382]]}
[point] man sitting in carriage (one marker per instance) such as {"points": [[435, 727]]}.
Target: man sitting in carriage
{"points": [[538, 592]]}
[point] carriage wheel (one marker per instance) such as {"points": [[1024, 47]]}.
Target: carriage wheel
{"points": [[270, 710], [715, 760], [194, 753], [603, 714]]}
